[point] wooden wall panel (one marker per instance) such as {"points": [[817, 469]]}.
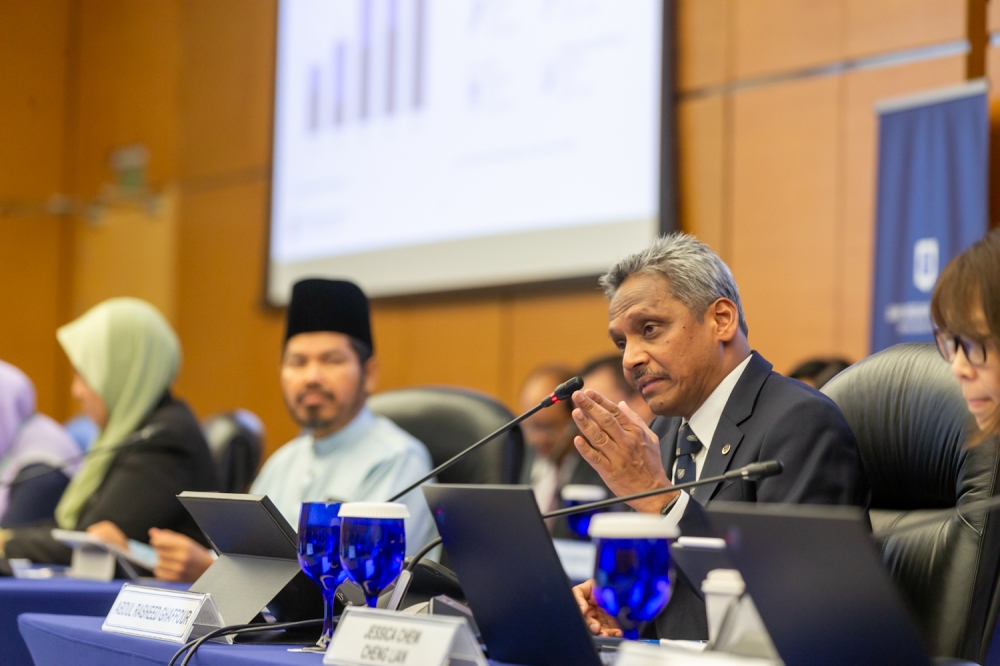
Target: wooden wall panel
{"points": [[29, 305], [856, 264], [785, 35], [232, 347], [129, 252], [227, 87], [569, 328], [993, 15], [441, 342], [34, 42], [890, 25], [701, 155], [702, 43], [128, 69], [784, 214]]}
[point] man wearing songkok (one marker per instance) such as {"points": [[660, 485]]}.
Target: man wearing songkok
{"points": [[675, 313], [346, 453]]}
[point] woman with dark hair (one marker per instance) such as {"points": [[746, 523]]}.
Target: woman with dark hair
{"points": [[965, 309]]}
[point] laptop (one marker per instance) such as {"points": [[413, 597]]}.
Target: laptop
{"points": [[511, 575], [819, 584]]}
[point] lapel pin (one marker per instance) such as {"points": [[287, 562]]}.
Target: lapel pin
{"points": [[726, 449]]}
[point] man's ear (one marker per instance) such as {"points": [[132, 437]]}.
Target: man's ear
{"points": [[726, 318], [371, 374]]}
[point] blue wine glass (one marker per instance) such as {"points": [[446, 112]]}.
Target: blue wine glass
{"points": [[575, 495], [632, 577], [372, 544], [319, 555]]}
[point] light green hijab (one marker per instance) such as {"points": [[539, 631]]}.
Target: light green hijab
{"points": [[126, 351]]}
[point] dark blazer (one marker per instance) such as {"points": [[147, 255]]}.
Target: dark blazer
{"points": [[166, 456], [767, 417]]}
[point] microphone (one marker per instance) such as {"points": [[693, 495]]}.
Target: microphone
{"points": [[560, 394]]}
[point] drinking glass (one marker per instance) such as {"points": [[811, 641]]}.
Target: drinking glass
{"points": [[372, 544], [632, 576], [575, 495], [319, 555]]}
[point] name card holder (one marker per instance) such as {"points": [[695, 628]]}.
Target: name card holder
{"points": [[368, 636], [163, 614]]}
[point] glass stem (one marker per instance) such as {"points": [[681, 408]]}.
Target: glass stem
{"points": [[372, 600], [631, 634], [328, 600]]}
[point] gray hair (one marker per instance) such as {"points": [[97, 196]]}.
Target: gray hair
{"points": [[696, 276]]}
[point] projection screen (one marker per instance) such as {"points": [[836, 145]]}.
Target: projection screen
{"points": [[436, 145]]}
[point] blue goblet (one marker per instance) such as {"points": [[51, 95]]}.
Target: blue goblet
{"points": [[632, 577], [372, 544], [319, 555], [575, 495]]}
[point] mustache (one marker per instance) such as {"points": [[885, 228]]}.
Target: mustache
{"points": [[300, 396], [646, 372]]}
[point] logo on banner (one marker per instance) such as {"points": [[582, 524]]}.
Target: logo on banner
{"points": [[925, 264]]}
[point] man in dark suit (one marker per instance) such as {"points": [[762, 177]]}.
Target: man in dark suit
{"points": [[675, 313]]}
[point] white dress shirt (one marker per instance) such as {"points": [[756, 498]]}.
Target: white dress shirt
{"points": [[704, 423]]}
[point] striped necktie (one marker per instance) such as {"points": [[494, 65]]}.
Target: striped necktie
{"points": [[688, 447]]}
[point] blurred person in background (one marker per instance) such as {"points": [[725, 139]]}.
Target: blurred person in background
{"points": [[818, 371], [965, 309], [550, 459], [150, 446], [37, 455], [347, 453]]}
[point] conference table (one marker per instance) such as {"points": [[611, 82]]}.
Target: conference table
{"points": [[55, 596], [55, 640], [62, 596]]}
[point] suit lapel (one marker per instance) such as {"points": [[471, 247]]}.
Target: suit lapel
{"points": [[727, 438], [728, 434]]}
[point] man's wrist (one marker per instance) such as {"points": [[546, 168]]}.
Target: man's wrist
{"points": [[670, 505], [655, 503]]}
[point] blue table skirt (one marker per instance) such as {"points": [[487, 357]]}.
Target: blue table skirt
{"points": [[57, 640], [63, 596]]}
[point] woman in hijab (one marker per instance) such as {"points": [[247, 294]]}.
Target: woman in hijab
{"points": [[37, 455], [150, 447], [965, 308]]}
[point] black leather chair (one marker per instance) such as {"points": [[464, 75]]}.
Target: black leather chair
{"points": [[911, 423], [236, 440], [448, 420]]}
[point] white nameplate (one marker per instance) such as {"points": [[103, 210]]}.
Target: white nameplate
{"points": [[375, 636], [160, 613]]}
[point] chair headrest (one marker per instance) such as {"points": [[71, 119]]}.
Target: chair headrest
{"points": [[448, 420], [236, 441], [910, 420]]}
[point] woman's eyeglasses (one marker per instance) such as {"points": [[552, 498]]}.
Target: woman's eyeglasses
{"points": [[948, 344]]}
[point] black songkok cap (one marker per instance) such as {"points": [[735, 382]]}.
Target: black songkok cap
{"points": [[336, 306]]}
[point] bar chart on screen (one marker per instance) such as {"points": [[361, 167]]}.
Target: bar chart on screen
{"points": [[412, 122]]}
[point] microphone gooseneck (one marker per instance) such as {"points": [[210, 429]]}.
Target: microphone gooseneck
{"points": [[562, 393], [751, 472]]}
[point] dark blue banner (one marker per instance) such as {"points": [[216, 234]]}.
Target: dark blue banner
{"points": [[932, 202]]}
